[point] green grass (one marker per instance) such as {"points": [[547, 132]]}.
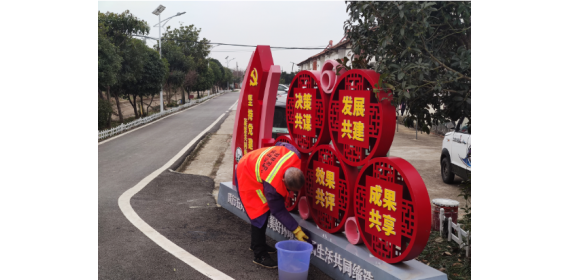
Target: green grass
{"points": [[446, 256]]}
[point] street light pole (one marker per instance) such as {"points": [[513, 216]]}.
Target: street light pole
{"points": [[157, 12], [228, 65], [160, 55]]}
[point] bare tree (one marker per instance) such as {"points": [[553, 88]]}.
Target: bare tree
{"points": [[189, 81]]}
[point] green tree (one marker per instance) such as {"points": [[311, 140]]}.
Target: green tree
{"points": [[287, 78], [190, 81], [109, 65], [421, 49], [179, 65], [217, 70], [239, 75], [187, 38], [205, 77], [154, 75], [119, 31], [228, 76], [150, 80], [109, 60], [104, 113], [133, 54]]}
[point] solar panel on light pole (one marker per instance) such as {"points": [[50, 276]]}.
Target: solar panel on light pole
{"points": [[159, 10]]}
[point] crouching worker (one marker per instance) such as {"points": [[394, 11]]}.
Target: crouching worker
{"points": [[264, 178]]}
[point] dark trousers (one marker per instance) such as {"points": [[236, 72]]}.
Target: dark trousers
{"points": [[258, 242]]}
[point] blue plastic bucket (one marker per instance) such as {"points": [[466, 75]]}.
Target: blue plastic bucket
{"points": [[293, 259]]}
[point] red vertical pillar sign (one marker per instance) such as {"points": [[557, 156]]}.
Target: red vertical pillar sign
{"points": [[254, 113]]}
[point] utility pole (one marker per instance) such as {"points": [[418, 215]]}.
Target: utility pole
{"points": [[292, 63], [157, 12], [416, 129], [228, 65]]}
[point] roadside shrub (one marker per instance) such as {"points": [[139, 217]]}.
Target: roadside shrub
{"points": [[466, 194], [409, 122], [104, 113], [172, 104]]}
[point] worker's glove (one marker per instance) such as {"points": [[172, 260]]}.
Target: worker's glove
{"points": [[301, 236]]}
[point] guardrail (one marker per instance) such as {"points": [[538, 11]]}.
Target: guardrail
{"points": [[446, 227], [124, 127]]}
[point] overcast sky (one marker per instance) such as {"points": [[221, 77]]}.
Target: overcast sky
{"points": [[281, 24]]}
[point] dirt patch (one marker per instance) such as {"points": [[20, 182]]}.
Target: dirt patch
{"points": [[194, 153], [218, 162], [128, 111]]}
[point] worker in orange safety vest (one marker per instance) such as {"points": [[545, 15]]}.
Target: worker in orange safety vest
{"points": [[263, 180]]}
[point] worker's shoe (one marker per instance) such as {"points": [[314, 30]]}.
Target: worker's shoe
{"points": [[265, 261], [270, 249]]}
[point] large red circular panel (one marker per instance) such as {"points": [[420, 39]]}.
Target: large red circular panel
{"points": [[329, 187], [361, 124], [292, 201], [307, 107], [392, 209]]}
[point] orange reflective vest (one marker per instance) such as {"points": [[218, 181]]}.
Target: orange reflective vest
{"points": [[265, 164]]}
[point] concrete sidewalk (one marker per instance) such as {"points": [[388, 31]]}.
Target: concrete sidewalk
{"points": [[213, 157], [424, 155]]}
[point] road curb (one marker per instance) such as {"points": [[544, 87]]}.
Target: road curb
{"points": [[215, 128]]}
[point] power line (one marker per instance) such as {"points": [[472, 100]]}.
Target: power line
{"points": [[236, 45], [249, 51], [287, 48]]}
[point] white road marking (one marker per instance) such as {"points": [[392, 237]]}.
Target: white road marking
{"points": [[159, 239], [132, 130]]}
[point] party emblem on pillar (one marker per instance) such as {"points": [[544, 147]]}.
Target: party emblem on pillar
{"points": [[249, 128], [328, 183], [306, 112], [392, 209], [362, 122]]}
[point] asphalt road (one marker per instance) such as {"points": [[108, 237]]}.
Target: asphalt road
{"points": [[125, 252], [179, 206]]}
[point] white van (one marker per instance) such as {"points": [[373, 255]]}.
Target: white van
{"points": [[456, 153]]}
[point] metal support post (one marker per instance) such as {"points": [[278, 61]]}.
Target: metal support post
{"points": [[160, 54], [157, 12], [228, 65], [416, 129]]}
